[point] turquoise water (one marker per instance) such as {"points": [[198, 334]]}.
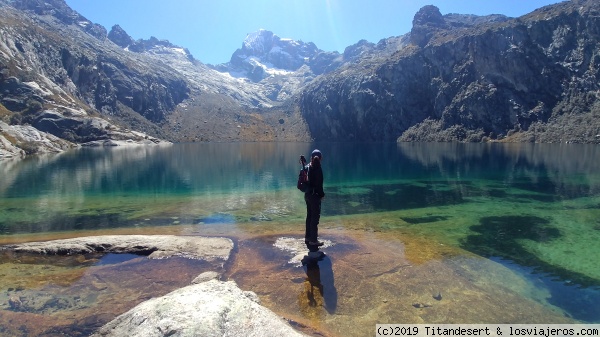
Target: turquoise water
{"points": [[532, 208]]}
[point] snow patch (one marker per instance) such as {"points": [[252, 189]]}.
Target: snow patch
{"points": [[267, 67], [179, 50]]}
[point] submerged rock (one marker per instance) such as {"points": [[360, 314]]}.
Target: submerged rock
{"points": [[155, 246], [206, 276], [211, 308], [207, 307]]}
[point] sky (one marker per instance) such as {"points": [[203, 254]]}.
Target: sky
{"points": [[213, 29]]}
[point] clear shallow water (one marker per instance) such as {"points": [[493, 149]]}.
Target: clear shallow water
{"points": [[535, 209]]}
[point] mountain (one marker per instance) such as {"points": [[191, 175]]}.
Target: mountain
{"points": [[67, 77], [65, 81], [533, 79]]}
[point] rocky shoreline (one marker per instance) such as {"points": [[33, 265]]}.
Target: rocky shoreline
{"points": [[366, 278], [207, 307]]}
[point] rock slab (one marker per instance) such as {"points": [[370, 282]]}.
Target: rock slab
{"points": [[155, 246], [211, 308]]}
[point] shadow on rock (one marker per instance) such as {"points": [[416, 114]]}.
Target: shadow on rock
{"points": [[319, 287]]}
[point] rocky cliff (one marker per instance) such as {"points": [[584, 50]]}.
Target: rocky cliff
{"points": [[67, 56], [534, 78], [451, 78]]}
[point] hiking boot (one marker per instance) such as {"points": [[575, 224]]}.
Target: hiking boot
{"points": [[318, 243]]}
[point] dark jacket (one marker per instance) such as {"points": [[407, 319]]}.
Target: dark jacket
{"points": [[315, 181]]}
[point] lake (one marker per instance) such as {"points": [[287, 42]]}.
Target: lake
{"points": [[422, 233]]}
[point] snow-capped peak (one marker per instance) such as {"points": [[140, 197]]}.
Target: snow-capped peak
{"points": [[264, 54]]}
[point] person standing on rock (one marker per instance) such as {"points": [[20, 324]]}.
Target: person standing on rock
{"points": [[313, 195]]}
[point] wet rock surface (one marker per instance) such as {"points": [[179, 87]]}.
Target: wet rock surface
{"points": [[102, 277], [74, 286], [368, 278], [365, 278], [70, 299]]}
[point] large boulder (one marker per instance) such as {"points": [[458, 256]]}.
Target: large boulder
{"points": [[211, 308]]}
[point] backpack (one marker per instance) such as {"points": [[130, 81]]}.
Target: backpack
{"points": [[303, 179], [303, 183]]}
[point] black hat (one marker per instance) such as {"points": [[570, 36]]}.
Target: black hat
{"points": [[316, 153]]}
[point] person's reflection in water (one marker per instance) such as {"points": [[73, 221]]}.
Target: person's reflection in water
{"points": [[318, 289]]}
